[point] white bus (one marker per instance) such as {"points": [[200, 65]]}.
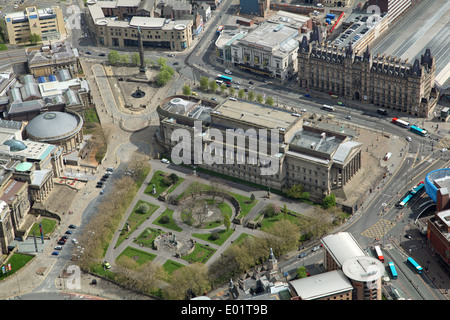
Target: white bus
{"points": [[328, 108]]}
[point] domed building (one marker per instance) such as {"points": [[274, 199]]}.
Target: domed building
{"points": [[58, 128]]}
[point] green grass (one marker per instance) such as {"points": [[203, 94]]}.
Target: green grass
{"points": [[141, 257], [147, 237], [296, 218], [17, 261], [200, 254], [170, 266], [245, 202], [224, 235], [3, 47], [48, 225], [135, 219], [157, 180], [171, 224], [90, 115]]}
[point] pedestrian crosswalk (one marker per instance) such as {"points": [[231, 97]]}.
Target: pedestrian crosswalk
{"points": [[444, 143], [379, 229]]}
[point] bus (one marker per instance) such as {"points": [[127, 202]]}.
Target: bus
{"points": [[418, 130], [327, 107], [382, 111], [405, 200], [379, 253], [393, 270], [224, 78], [400, 122], [415, 265], [417, 188]]}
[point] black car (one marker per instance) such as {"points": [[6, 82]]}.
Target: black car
{"points": [[88, 52], [251, 82], [101, 54], [72, 226], [62, 242]]}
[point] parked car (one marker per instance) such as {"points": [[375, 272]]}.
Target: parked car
{"points": [[315, 248], [163, 160], [75, 241], [55, 253], [408, 139], [58, 248], [106, 265], [348, 117], [110, 169], [69, 232], [214, 99], [61, 242], [72, 226], [102, 54], [102, 191], [88, 52]]}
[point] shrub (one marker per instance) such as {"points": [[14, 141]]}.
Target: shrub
{"points": [[164, 219], [143, 208], [215, 236]]}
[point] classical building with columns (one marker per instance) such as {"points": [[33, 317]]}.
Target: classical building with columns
{"points": [[388, 82], [320, 160]]}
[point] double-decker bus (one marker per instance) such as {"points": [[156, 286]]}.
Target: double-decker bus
{"points": [[379, 253], [419, 131], [415, 265], [401, 123], [328, 108], [224, 78], [393, 270]]}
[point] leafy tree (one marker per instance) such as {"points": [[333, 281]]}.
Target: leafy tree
{"points": [[135, 58], [227, 221], [143, 208], [251, 95], [161, 61], [113, 57], [241, 94], [187, 282], [223, 87], [232, 91], [259, 98], [252, 197], [295, 191], [163, 77], [35, 38], [204, 83], [301, 272], [213, 86], [269, 101], [329, 201], [186, 91]]}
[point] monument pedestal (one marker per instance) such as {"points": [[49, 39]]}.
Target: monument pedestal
{"points": [[141, 76]]}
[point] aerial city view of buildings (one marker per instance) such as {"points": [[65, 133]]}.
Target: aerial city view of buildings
{"points": [[225, 150]]}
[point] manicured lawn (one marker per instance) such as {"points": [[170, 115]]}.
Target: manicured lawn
{"points": [[160, 186], [297, 219], [170, 224], [170, 266], [48, 225], [200, 254], [17, 261], [90, 115], [137, 255], [245, 202], [147, 236], [136, 218], [224, 235]]}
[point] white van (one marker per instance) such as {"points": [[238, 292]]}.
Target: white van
{"points": [[387, 156]]}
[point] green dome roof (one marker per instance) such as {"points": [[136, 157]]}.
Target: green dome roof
{"points": [[15, 145]]}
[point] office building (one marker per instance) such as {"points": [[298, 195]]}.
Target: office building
{"points": [[48, 23]]}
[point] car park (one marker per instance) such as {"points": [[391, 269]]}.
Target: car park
{"points": [[163, 160]]}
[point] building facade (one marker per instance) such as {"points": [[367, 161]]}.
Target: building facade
{"points": [[121, 30], [48, 23], [383, 81], [319, 160], [271, 49]]}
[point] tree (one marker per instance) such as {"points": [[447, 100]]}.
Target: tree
{"points": [[143, 208], [269, 101], [223, 87], [227, 221], [161, 61], [232, 91], [251, 95], [187, 282], [259, 98], [204, 83], [186, 90], [252, 197], [135, 58], [113, 57], [35, 38], [163, 77], [301, 272], [329, 201], [241, 94], [285, 211], [295, 191], [213, 86]]}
